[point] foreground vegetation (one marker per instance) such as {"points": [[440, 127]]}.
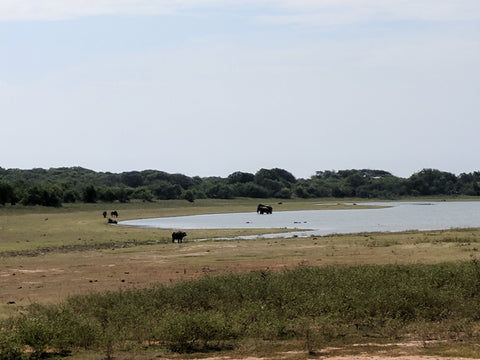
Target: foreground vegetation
{"points": [[314, 307]]}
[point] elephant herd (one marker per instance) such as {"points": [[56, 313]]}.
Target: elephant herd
{"points": [[113, 215], [176, 235], [179, 235]]}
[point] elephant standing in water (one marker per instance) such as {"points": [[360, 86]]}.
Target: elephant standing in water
{"points": [[264, 209]]}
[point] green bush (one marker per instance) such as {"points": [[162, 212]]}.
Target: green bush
{"points": [[196, 331], [319, 306], [10, 348]]}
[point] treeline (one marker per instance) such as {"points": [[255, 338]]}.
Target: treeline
{"points": [[55, 186]]}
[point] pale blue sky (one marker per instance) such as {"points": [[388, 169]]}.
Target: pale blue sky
{"points": [[211, 87]]}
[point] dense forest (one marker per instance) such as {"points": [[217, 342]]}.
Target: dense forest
{"points": [[56, 186]]}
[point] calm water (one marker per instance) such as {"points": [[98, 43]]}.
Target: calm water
{"points": [[400, 216]]}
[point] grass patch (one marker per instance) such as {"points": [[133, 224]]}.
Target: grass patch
{"points": [[35, 230]]}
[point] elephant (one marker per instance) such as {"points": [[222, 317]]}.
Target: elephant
{"points": [[178, 235], [264, 209]]}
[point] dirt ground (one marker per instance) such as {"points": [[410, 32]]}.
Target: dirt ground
{"points": [[51, 277]]}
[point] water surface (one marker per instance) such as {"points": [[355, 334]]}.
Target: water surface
{"points": [[400, 216]]}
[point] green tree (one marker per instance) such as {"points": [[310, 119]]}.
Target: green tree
{"points": [[45, 195], [189, 196], [249, 189], [106, 193], [164, 190], [7, 193], [142, 193], [240, 177], [284, 193], [182, 180], [280, 175], [133, 179], [432, 182], [122, 194], [219, 191], [301, 192], [90, 194], [70, 196]]}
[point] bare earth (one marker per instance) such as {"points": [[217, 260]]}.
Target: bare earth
{"points": [[50, 278]]}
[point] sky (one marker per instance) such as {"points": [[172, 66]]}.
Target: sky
{"points": [[210, 87]]}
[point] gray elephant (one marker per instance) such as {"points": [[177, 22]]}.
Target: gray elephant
{"points": [[264, 209]]}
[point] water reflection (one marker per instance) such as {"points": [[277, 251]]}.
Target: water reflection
{"points": [[398, 216]]}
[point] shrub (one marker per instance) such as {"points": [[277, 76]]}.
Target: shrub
{"points": [[317, 305], [196, 331], [10, 344]]}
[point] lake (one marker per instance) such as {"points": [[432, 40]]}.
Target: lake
{"points": [[398, 216]]}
